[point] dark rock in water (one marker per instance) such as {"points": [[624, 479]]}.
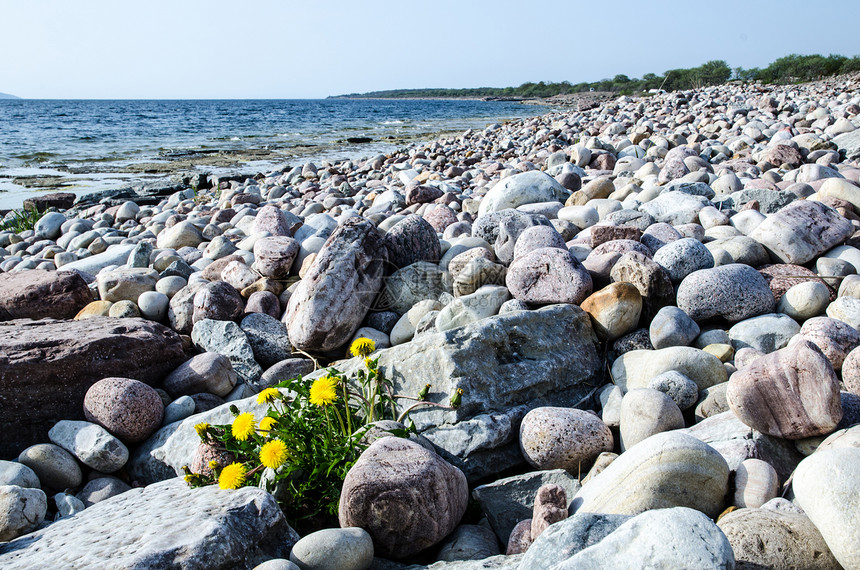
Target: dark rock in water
{"points": [[59, 200], [47, 366], [332, 299], [410, 240], [38, 294], [207, 528], [358, 140]]}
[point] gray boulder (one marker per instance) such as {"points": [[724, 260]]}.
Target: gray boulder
{"points": [[525, 188], [802, 231]]}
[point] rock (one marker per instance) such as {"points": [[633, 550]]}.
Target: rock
{"points": [[126, 284], [38, 294], [469, 542], [563, 438], [672, 327], [285, 370], [548, 275], [153, 305], [770, 539], [511, 499], [332, 299], [666, 470], [568, 537], [208, 372], [405, 496], [59, 200], [210, 528], [675, 208], [412, 284], [404, 330], [682, 257], [525, 188], [272, 220], [826, 487], [635, 369], [21, 511], [67, 505], [650, 280], [277, 564], [845, 309], [178, 409], [219, 301], [645, 412], [681, 389], [268, 338], [180, 235], [550, 507], [835, 338], [520, 539], [802, 231], [90, 443], [100, 489], [127, 408], [765, 333], [804, 300], [511, 228], [55, 467], [537, 237], [781, 277], [734, 292], [483, 303], [663, 538], [792, 393], [614, 310], [476, 274], [48, 366], [116, 255], [225, 337], [756, 483], [274, 256], [411, 240], [18, 474], [341, 548]]}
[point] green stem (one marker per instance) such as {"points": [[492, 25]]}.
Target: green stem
{"points": [[347, 411]]}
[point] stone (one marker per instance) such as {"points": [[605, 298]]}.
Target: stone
{"points": [[563, 438], [153, 305], [406, 497], [67, 505], [520, 539], [55, 467], [91, 444], [126, 284], [127, 408], [124, 309], [22, 510], [781, 277], [274, 256], [332, 299], [341, 548], [18, 474], [615, 310], [675, 208], [683, 391], [218, 300], [412, 284], [650, 280], [548, 275], [411, 240], [550, 507], [681, 257], [208, 372], [100, 489], [802, 231], [285, 370], [668, 469], [568, 537], [49, 365], [765, 333], [826, 487], [272, 220], [536, 237], [209, 528], [510, 229], [733, 292], [792, 393], [804, 300], [115, 255], [835, 338], [483, 303], [228, 339], [469, 542], [525, 188], [180, 235], [507, 501], [476, 274], [37, 294], [178, 409], [771, 539], [845, 309], [851, 372], [645, 412], [636, 368], [268, 338], [756, 483], [404, 330], [672, 327]]}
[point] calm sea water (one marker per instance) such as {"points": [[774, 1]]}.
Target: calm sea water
{"points": [[88, 145]]}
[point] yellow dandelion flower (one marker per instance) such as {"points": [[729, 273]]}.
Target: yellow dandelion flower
{"points": [[190, 478], [362, 347], [201, 429], [273, 454], [243, 426], [268, 423], [232, 476], [268, 396], [368, 361], [213, 464], [323, 391]]}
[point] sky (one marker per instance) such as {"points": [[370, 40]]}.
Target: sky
{"points": [[226, 49]]}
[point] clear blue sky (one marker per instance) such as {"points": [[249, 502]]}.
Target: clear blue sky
{"points": [[315, 48]]}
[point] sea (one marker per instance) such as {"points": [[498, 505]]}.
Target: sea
{"points": [[83, 146]]}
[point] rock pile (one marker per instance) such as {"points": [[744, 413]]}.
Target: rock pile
{"points": [[651, 307]]}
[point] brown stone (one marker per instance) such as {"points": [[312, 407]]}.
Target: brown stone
{"points": [[781, 277], [603, 234], [47, 366], [59, 200], [129, 409], [406, 497], [37, 294], [792, 393], [550, 507], [520, 539], [650, 279]]}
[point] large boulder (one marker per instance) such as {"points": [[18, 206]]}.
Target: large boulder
{"points": [[167, 525], [525, 188], [47, 366], [406, 497], [332, 299], [802, 231], [38, 294]]}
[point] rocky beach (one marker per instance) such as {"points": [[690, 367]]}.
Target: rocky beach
{"points": [[649, 307]]}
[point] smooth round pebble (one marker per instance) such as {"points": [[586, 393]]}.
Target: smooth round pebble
{"points": [[334, 549], [55, 467], [127, 408], [680, 388], [563, 438]]}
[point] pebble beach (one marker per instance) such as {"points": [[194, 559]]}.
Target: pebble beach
{"points": [[650, 305]]}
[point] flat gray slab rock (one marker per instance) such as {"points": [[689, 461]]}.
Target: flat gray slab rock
{"points": [[167, 525]]}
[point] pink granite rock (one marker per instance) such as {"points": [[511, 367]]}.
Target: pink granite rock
{"points": [[129, 409]]}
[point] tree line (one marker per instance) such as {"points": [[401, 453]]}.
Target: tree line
{"points": [[789, 69]]}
